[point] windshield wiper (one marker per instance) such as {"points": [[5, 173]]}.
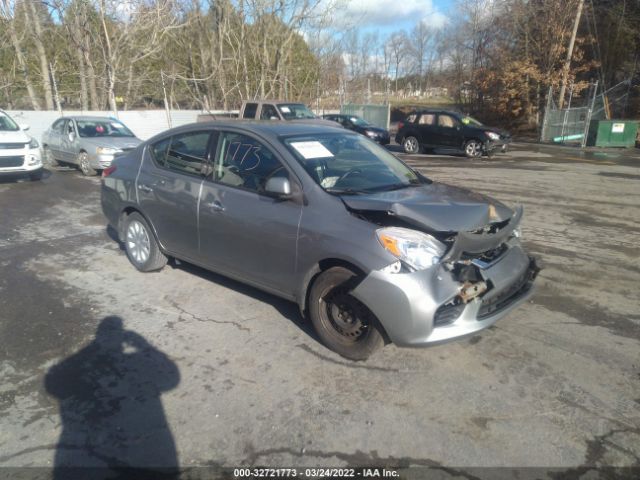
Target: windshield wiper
{"points": [[346, 191], [396, 186]]}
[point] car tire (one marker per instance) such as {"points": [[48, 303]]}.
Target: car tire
{"points": [[504, 149], [411, 145], [473, 149], [49, 158], [36, 176], [141, 245], [343, 323], [85, 165]]}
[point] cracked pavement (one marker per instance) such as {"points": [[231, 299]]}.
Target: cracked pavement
{"points": [[554, 384]]}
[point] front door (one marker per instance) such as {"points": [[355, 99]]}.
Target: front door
{"points": [[449, 131], [243, 231], [168, 188]]}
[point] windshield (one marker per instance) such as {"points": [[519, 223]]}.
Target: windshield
{"points": [[360, 122], [345, 163], [471, 121], [102, 128], [7, 124], [292, 111]]}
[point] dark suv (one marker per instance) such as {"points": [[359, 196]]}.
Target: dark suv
{"points": [[442, 129]]}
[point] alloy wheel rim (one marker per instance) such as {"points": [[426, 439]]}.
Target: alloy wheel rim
{"points": [[411, 145], [138, 243], [473, 148], [84, 163]]}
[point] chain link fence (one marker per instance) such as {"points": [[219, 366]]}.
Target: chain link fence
{"points": [[570, 125]]}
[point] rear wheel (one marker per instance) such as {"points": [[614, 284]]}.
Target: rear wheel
{"points": [[141, 246], [411, 145], [343, 323], [85, 164], [48, 157], [473, 149]]}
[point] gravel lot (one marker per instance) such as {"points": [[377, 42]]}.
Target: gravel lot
{"points": [[218, 373]]}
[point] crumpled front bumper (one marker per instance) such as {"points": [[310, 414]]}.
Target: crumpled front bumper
{"points": [[407, 304]]}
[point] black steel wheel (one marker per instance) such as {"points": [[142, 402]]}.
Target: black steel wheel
{"points": [[343, 323]]}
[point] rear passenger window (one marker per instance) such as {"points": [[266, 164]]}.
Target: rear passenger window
{"points": [[244, 162], [427, 119], [159, 151], [184, 153], [250, 110], [58, 126]]}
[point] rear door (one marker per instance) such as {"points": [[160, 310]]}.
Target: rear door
{"points": [[243, 231], [168, 188], [54, 137], [68, 141]]}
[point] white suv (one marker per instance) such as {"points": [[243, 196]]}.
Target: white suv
{"points": [[19, 153]]}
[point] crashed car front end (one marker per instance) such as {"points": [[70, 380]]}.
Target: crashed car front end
{"points": [[481, 276]]}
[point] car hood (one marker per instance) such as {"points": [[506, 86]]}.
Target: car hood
{"points": [[434, 207], [372, 128], [484, 128], [316, 121], [123, 143], [14, 137]]}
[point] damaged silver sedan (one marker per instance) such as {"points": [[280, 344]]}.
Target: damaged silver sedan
{"points": [[371, 250]]}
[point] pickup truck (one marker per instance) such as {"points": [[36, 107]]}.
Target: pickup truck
{"points": [[280, 110]]}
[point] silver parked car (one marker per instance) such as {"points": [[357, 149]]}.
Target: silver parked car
{"points": [[370, 250], [91, 143]]}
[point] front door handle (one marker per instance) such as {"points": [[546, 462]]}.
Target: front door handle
{"points": [[215, 206], [145, 188]]}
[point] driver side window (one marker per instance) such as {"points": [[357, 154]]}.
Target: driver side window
{"points": [[242, 161]]}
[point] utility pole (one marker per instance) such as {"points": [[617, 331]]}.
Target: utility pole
{"points": [[567, 64]]}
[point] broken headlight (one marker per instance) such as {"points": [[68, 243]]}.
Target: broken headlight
{"points": [[418, 250]]}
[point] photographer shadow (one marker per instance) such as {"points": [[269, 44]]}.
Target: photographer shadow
{"points": [[113, 421]]}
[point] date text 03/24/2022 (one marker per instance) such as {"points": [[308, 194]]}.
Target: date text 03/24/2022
{"points": [[314, 473]]}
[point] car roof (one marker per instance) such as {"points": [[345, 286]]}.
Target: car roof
{"points": [[265, 127], [88, 118], [436, 110], [276, 102]]}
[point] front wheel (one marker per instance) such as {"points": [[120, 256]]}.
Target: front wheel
{"points": [[141, 246], [473, 149], [411, 145], [343, 323], [85, 165], [36, 176]]}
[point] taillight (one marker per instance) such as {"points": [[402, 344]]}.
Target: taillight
{"points": [[400, 125], [108, 171]]}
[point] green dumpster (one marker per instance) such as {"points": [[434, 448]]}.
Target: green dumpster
{"points": [[612, 133]]}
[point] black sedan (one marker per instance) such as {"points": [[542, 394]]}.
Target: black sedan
{"points": [[360, 125]]}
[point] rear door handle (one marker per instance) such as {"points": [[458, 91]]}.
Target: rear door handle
{"points": [[145, 188], [216, 206]]}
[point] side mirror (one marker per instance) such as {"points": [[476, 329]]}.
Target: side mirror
{"points": [[278, 187], [24, 126]]}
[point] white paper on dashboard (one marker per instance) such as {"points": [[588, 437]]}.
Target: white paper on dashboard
{"points": [[311, 150]]}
